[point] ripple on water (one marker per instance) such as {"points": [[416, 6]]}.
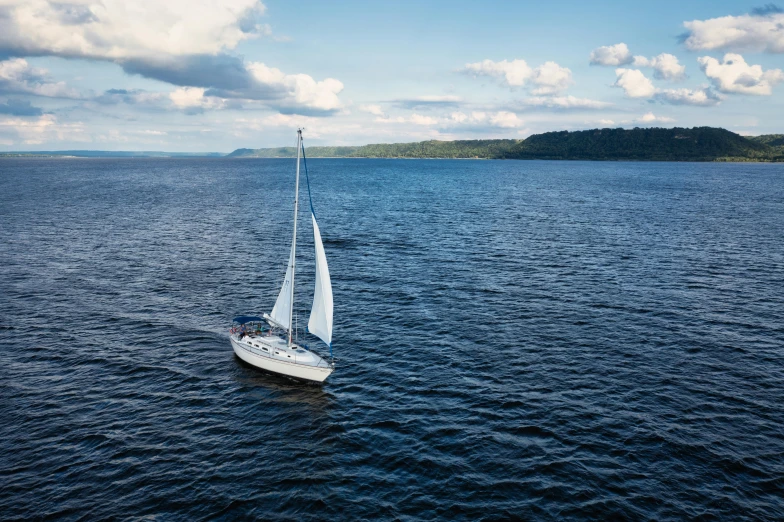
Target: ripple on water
{"points": [[539, 340]]}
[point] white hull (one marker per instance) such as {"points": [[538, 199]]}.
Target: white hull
{"points": [[281, 360]]}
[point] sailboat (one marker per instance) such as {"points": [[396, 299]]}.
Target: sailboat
{"points": [[268, 342]]}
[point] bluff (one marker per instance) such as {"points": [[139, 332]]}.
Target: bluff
{"points": [[639, 144]]}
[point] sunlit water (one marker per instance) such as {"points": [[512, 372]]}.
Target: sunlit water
{"points": [[543, 340]]}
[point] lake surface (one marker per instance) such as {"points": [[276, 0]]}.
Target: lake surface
{"points": [[543, 340]]}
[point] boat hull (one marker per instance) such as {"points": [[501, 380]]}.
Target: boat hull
{"points": [[298, 371]]}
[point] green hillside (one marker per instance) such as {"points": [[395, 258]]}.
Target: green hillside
{"points": [[697, 144], [485, 149], [648, 144], [776, 141]]}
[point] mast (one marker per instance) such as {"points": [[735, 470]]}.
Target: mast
{"points": [[294, 239]]}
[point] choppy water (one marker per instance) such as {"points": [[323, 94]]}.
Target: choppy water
{"points": [[545, 340]]}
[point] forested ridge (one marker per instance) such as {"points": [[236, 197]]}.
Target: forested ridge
{"points": [[642, 144]]}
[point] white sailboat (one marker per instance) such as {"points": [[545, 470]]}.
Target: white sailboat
{"points": [[267, 342]]}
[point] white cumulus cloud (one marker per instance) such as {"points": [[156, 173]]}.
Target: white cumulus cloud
{"points": [[649, 117], [44, 129], [665, 66], [458, 117], [734, 75], [418, 119], [613, 55], [415, 119], [564, 102], [499, 119], [183, 43], [759, 31], [551, 78], [193, 98], [634, 83], [116, 29], [515, 73], [699, 97], [372, 109], [505, 119], [17, 76], [548, 78]]}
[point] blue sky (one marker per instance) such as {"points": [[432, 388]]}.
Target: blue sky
{"points": [[207, 75]]}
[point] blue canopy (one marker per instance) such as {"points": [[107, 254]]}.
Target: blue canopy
{"points": [[248, 319]]}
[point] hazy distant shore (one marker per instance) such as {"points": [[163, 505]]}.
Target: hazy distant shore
{"points": [[649, 144]]}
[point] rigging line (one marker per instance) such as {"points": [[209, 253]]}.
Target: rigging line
{"points": [[307, 179]]}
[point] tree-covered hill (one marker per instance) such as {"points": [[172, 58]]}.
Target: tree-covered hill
{"points": [[651, 144], [776, 141], [484, 149], [641, 144]]}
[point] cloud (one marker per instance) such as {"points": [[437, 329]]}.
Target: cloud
{"points": [[649, 117], [665, 66], [418, 119], [762, 30], [44, 129], [174, 41], [473, 120], [699, 97], [564, 102], [634, 83], [288, 93], [482, 119], [118, 31], [613, 55], [551, 78], [548, 78], [372, 109], [193, 101], [19, 108], [220, 71], [445, 98], [190, 100], [427, 102], [458, 117], [131, 97], [734, 75], [504, 119], [514, 73], [19, 77]]}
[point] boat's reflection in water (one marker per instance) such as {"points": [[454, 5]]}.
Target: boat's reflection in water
{"points": [[282, 389]]}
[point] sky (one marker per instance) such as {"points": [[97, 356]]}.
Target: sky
{"points": [[217, 75]]}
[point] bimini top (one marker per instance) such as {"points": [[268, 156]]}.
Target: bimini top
{"points": [[248, 319]]}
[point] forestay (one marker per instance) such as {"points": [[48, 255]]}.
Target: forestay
{"points": [[320, 323]]}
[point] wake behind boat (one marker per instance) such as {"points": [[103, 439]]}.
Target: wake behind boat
{"points": [[267, 342]]}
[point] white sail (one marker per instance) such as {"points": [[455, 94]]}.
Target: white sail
{"points": [[281, 312], [320, 323]]}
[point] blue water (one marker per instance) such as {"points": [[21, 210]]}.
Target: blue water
{"points": [[543, 340]]}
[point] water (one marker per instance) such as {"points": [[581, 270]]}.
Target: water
{"points": [[545, 340]]}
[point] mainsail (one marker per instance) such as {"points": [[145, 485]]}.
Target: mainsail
{"points": [[320, 323], [281, 312]]}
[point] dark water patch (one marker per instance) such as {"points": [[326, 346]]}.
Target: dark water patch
{"points": [[535, 340]]}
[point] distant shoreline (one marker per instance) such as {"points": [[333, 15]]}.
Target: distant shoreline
{"points": [[242, 158], [698, 144], [705, 144]]}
